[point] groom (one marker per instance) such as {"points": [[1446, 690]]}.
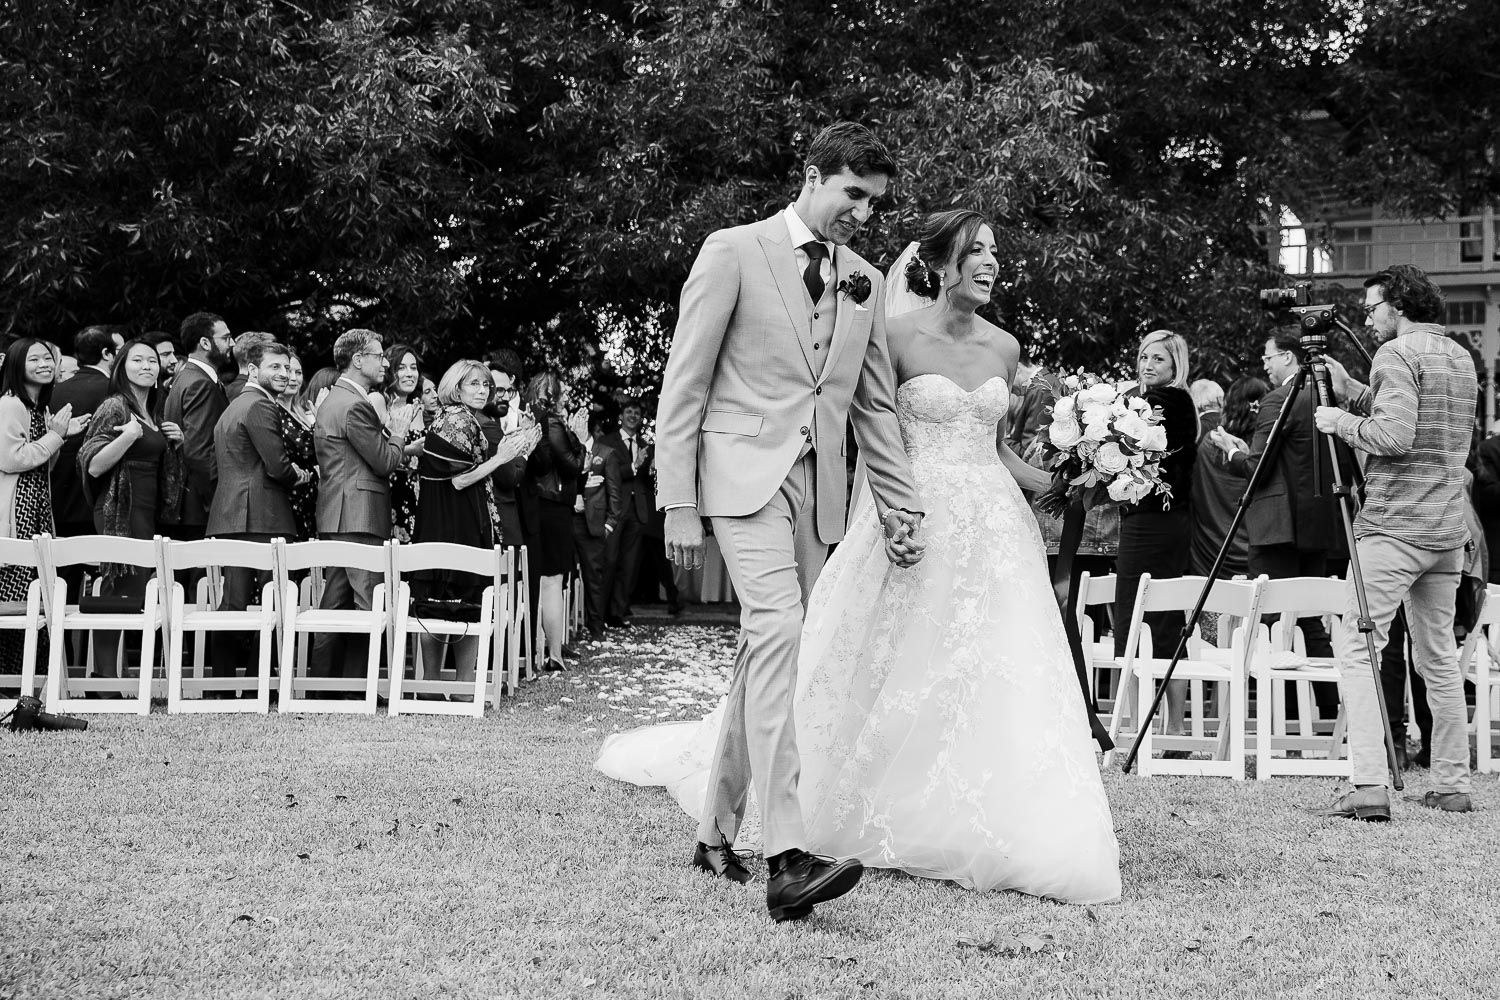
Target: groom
{"points": [[780, 342]]}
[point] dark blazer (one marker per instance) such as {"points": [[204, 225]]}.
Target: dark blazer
{"points": [[638, 495], [1284, 510], [195, 404], [256, 473], [355, 461], [235, 386], [85, 391], [554, 464], [604, 500], [506, 481]]}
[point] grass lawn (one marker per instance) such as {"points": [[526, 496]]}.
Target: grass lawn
{"points": [[291, 856]]}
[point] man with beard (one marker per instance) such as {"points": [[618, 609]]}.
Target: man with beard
{"points": [[253, 501], [195, 403]]}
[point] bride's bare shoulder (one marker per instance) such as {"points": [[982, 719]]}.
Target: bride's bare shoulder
{"points": [[1004, 343]]}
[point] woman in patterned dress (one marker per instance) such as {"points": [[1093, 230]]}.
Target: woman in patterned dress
{"points": [[29, 441], [296, 435], [404, 388]]}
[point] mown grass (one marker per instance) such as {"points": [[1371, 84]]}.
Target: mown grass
{"points": [[351, 857]]}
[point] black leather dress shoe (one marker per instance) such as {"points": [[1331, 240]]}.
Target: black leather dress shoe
{"points": [[722, 861], [804, 880]]}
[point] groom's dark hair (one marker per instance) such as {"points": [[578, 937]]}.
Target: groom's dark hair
{"points": [[849, 144]]}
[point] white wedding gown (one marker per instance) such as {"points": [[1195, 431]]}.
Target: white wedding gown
{"points": [[939, 719]]}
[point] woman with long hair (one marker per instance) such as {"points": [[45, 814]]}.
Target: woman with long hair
{"points": [[121, 464], [1218, 487], [296, 416], [403, 388], [551, 485], [30, 438]]}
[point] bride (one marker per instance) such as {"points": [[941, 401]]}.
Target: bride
{"points": [[939, 721]]}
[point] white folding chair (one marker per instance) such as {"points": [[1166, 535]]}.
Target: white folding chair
{"points": [[425, 557], [1094, 591], [506, 655], [1479, 662], [1227, 667], [97, 549], [1281, 667], [24, 616], [525, 636], [298, 620], [218, 554]]}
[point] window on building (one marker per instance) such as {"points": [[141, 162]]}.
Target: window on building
{"points": [[1471, 241], [1297, 257], [1464, 314]]}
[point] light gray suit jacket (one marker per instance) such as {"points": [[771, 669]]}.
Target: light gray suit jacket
{"points": [[742, 391], [355, 461]]}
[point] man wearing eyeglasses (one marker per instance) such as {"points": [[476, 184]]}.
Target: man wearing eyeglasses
{"points": [[356, 457], [1292, 530], [1414, 422]]}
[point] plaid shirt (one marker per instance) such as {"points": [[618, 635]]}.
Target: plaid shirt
{"points": [[1420, 403]]}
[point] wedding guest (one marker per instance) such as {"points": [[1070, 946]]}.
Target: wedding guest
{"points": [[656, 577], [1218, 486], [403, 390], [194, 403], [356, 456], [166, 353], [596, 515], [1032, 391], [622, 551], [504, 417], [456, 502], [1153, 531], [296, 416], [240, 352], [550, 485], [123, 461], [30, 439], [1208, 396], [430, 402], [96, 348], [317, 388], [253, 502], [67, 367], [1487, 498]]}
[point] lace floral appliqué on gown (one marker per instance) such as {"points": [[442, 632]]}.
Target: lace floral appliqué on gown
{"points": [[939, 721]]}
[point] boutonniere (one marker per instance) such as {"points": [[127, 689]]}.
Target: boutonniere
{"points": [[856, 287]]}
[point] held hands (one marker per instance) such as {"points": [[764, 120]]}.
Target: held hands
{"points": [[1327, 419], [1226, 442], [901, 545], [684, 537], [171, 432]]}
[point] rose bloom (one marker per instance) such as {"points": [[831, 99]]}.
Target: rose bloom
{"points": [[1155, 439], [1064, 408], [1064, 434], [1101, 393], [1133, 425], [1097, 430], [1110, 460]]}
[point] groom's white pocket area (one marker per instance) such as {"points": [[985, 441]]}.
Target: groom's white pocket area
{"points": [[861, 309], [732, 422]]}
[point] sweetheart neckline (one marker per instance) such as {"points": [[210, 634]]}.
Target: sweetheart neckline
{"points": [[952, 381]]}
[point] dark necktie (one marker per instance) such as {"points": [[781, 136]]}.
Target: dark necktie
{"points": [[813, 276]]}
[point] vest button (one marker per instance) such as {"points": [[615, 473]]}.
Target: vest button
{"points": [[804, 430], [818, 391], [815, 315], [815, 347]]}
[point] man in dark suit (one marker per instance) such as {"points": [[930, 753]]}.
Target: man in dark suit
{"points": [[356, 457], [622, 555], [1292, 532], [502, 417], [166, 355], [95, 348], [195, 403], [252, 500], [245, 344], [596, 516]]}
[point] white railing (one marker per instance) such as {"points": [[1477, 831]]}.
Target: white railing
{"points": [[1465, 244]]}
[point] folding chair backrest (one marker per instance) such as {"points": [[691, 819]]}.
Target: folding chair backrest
{"points": [[327, 552], [1228, 597], [419, 556], [20, 552], [1300, 597], [1096, 589], [1489, 614], [91, 549], [220, 552]]}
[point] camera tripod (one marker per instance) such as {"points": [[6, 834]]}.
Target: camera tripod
{"points": [[1314, 369]]}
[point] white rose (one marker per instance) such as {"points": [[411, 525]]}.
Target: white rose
{"points": [[1136, 461], [1097, 430], [1155, 438], [1110, 460], [1140, 491], [1101, 393], [1120, 489], [1133, 425], [1064, 408], [1064, 434]]}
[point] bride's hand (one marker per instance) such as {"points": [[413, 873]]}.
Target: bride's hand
{"points": [[1054, 502]]}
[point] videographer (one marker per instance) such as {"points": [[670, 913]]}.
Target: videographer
{"points": [[1410, 533]]}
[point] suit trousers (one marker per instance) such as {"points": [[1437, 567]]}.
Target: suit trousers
{"points": [[773, 557], [622, 560], [590, 552], [1282, 562], [229, 651], [343, 588], [1427, 581]]}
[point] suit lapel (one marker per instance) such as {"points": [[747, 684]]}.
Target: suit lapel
{"points": [[843, 315], [775, 242]]}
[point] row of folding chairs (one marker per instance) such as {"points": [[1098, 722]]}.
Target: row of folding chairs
{"points": [[1219, 721], [285, 619]]}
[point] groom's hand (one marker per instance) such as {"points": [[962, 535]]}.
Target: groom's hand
{"points": [[901, 545], [684, 537]]}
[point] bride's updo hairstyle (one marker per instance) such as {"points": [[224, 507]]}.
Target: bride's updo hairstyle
{"points": [[941, 234]]}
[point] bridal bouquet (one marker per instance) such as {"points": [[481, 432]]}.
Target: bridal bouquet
{"points": [[1100, 437]]}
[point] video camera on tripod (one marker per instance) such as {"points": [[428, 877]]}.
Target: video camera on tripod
{"points": [[1313, 321]]}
